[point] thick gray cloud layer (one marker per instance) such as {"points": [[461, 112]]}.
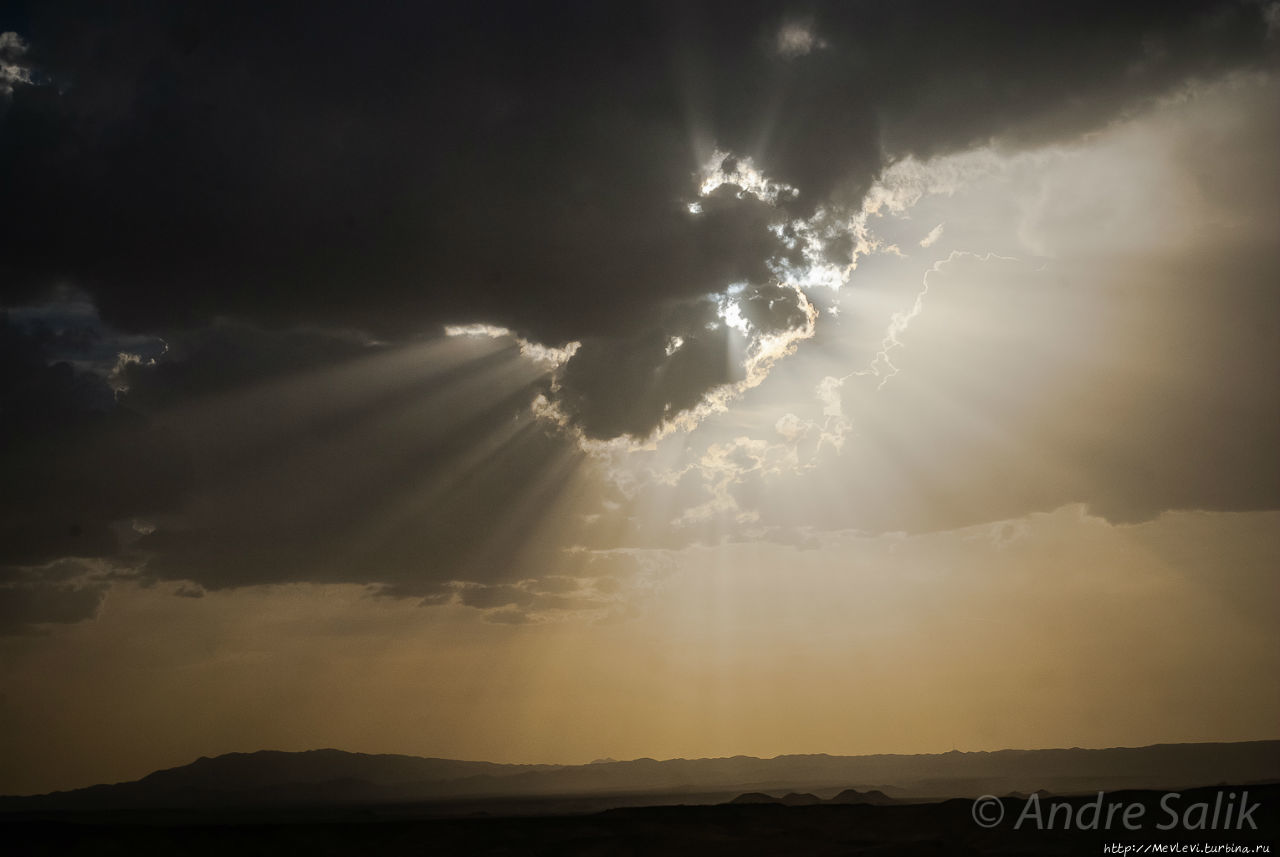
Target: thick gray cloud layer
{"points": [[230, 464], [383, 172], [395, 167]]}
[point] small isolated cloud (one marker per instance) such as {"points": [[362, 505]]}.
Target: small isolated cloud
{"points": [[932, 238], [797, 39], [12, 69]]}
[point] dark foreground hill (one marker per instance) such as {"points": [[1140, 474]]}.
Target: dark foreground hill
{"points": [[741, 830], [846, 797]]}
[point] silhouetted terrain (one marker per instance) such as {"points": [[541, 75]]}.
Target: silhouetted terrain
{"points": [[755, 830], [333, 777], [272, 776]]}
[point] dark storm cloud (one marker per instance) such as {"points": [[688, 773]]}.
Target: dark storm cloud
{"points": [[1130, 365], [523, 165], [393, 168], [614, 387], [408, 467], [312, 168], [246, 457], [388, 168], [73, 462]]}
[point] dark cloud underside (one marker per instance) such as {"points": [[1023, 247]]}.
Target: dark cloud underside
{"points": [[394, 167], [293, 197]]}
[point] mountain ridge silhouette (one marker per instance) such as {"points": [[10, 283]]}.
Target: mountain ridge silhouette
{"points": [[274, 777]]}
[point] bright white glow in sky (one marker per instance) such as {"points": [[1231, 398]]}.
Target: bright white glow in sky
{"points": [[550, 356], [744, 175]]}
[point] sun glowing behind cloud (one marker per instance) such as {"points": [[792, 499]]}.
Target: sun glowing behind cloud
{"points": [[878, 377]]}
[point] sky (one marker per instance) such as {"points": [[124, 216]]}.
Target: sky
{"points": [[543, 383]]}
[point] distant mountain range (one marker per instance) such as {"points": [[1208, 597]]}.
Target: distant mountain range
{"points": [[274, 778]]}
